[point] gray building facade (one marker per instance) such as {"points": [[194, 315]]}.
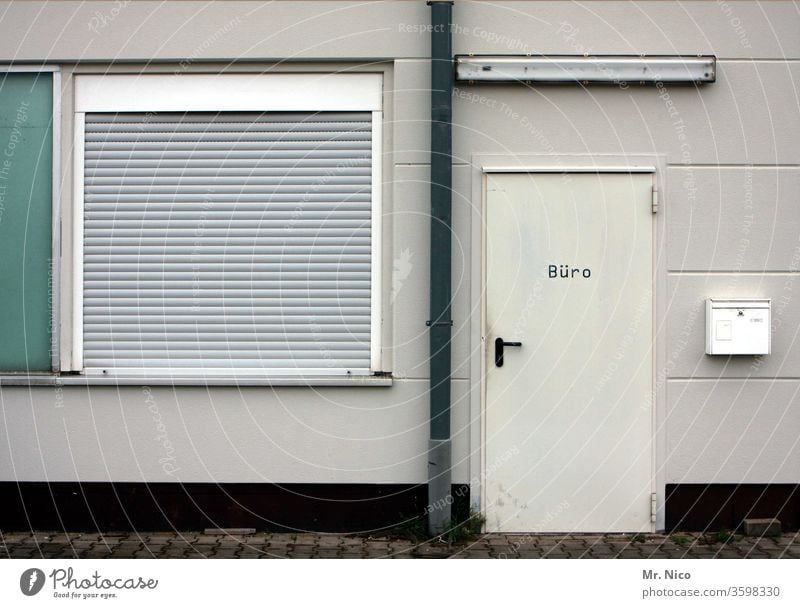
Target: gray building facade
{"points": [[692, 187]]}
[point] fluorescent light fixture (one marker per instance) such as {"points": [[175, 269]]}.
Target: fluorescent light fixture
{"points": [[608, 69]]}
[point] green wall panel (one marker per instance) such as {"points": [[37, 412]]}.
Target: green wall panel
{"points": [[26, 174]]}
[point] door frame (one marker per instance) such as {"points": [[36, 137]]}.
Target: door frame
{"points": [[481, 167]]}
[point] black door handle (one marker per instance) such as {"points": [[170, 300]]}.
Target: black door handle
{"points": [[499, 345]]}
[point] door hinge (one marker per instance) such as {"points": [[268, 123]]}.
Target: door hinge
{"points": [[653, 507], [655, 200]]}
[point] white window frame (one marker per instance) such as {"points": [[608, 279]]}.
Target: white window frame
{"points": [[287, 92]]}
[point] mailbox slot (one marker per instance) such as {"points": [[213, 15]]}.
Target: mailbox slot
{"points": [[738, 327]]}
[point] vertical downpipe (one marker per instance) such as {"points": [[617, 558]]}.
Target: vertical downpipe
{"points": [[439, 459]]}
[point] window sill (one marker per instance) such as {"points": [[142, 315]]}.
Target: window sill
{"points": [[53, 380]]}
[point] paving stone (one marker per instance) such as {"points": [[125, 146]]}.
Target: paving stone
{"points": [[552, 550], [352, 541], [630, 555], [573, 545], [35, 540], [254, 548], [787, 541], [557, 555], [224, 553], [497, 553], [549, 547], [764, 555], [251, 552], [704, 553], [83, 543], [762, 527], [380, 545], [766, 544], [531, 553], [21, 551], [376, 555], [494, 541], [581, 554], [144, 555], [158, 540], [306, 539], [326, 553], [328, 546], [431, 551], [111, 541], [670, 554], [728, 554], [207, 540], [402, 554], [228, 532], [602, 550], [62, 538], [329, 541], [97, 553]]}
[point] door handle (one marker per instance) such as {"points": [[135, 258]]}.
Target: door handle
{"points": [[499, 346]]}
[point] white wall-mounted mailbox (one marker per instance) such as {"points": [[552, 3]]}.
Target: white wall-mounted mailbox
{"points": [[738, 327]]}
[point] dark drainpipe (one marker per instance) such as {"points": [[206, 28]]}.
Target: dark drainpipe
{"points": [[439, 477]]}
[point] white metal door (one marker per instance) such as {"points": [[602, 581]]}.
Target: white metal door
{"points": [[569, 275]]}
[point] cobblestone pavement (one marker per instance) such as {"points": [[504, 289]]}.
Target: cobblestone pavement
{"points": [[272, 545]]}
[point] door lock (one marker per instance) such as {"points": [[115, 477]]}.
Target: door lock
{"points": [[499, 346]]}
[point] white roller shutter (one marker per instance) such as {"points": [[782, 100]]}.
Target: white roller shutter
{"points": [[227, 241]]}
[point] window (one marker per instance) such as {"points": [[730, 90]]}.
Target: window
{"points": [[28, 271], [233, 232]]}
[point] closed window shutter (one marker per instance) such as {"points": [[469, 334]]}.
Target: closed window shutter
{"points": [[227, 241]]}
